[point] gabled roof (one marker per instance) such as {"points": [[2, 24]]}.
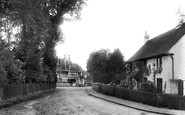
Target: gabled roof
{"points": [[159, 45]]}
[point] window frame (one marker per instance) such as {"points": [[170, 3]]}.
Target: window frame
{"points": [[159, 62]]}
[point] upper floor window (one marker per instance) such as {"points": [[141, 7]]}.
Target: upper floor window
{"points": [[159, 62], [149, 68]]}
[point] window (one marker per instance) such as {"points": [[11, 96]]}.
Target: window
{"points": [[149, 68], [159, 62]]}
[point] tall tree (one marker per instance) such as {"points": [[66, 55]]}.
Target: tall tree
{"points": [[116, 66], [39, 21], [116, 62], [105, 66], [97, 64]]}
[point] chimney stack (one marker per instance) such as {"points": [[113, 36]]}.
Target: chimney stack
{"points": [[146, 37], [181, 18]]}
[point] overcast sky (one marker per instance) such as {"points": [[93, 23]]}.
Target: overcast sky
{"points": [[117, 24]]}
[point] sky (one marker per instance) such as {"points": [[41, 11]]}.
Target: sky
{"points": [[108, 24]]}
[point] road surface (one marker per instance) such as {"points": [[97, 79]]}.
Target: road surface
{"points": [[70, 101]]}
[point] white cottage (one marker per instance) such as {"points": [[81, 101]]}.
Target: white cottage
{"points": [[164, 56]]}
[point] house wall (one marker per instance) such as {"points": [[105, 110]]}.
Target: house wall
{"points": [[179, 59], [179, 68], [150, 63], [166, 74]]}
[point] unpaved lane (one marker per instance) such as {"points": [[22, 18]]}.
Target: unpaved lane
{"points": [[77, 102], [70, 101]]}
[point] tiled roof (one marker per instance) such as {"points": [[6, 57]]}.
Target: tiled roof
{"points": [[159, 45]]}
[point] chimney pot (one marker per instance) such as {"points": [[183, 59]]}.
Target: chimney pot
{"points": [[146, 37]]}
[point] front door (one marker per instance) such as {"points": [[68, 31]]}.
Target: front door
{"points": [[180, 87], [159, 85]]}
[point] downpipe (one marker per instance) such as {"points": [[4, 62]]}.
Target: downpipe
{"points": [[172, 66]]}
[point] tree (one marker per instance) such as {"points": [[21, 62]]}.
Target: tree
{"points": [[116, 62], [116, 66], [10, 68], [76, 67], [97, 64], [39, 21], [105, 66]]}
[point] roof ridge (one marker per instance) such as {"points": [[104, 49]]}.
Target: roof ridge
{"points": [[160, 44]]}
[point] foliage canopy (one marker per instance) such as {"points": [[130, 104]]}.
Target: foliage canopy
{"points": [[105, 66], [36, 23]]}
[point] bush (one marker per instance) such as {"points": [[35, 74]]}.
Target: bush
{"points": [[148, 87], [118, 78], [124, 84], [10, 68]]}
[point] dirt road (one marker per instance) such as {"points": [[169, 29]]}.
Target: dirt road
{"points": [[70, 101]]}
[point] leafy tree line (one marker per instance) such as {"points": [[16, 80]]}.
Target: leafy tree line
{"points": [[106, 66], [29, 32]]}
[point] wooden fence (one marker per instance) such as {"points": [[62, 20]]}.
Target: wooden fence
{"points": [[17, 91], [154, 99]]}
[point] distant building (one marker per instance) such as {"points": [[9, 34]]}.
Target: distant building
{"points": [[87, 77], [163, 62], [66, 72], [73, 75], [62, 69]]}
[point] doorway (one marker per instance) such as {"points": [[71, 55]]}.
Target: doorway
{"points": [[180, 87], [159, 85]]}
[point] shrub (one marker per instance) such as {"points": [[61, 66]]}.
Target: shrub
{"points": [[148, 87]]}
